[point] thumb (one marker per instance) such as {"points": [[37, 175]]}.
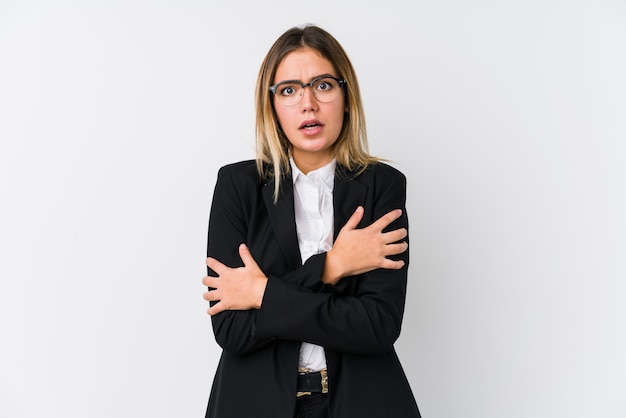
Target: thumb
{"points": [[246, 257], [354, 220]]}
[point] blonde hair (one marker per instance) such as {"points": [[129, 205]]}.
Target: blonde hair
{"points": [[272, 145]]}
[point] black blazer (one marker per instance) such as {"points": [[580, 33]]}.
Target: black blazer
{"points": [[357, 321]]}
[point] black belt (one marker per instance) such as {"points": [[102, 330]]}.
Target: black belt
{"points": [[312, 382]]}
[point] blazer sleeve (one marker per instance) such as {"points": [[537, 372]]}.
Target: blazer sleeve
{"points": [[235, 331], [364, 321]]}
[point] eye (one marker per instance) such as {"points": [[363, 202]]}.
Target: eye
{"points": [[325, 85], [288, 90]]}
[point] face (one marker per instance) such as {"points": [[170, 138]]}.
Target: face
{"points": [[311, 126]]}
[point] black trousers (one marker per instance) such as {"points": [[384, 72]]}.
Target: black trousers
{"points": [[312, 406]]}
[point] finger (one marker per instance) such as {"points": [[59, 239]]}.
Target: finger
{"points": [[395, 235], [395, 249], [354, 220], [246, 256], [211, 295], [215, 265], [210, 281], [384, 221], [215, 309], [392, 264]]}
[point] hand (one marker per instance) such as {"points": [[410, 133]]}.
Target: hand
{"points": [[357, 251], [240, 288]]}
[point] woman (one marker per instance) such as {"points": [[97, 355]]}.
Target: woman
{"points": [[307, 251]]}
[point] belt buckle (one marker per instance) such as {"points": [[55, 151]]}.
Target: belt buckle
{"points": [[324, 374], [299, 394], [324, 382]]}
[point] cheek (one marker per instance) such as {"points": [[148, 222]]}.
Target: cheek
{"points": [[339, 118], [284, 117]]}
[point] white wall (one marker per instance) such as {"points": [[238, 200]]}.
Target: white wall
{"points": [[507, 117]]}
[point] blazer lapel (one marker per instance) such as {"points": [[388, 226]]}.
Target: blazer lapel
{"points": [[283, 220], [348, 193]]}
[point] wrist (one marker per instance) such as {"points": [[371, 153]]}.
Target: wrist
{"points": [[332, 270], [260, 292]]}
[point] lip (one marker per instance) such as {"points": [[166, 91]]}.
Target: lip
{"points": [[311, 127], [310, 122]]}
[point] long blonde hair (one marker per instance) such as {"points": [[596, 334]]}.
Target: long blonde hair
{"points": [[272, 145]]}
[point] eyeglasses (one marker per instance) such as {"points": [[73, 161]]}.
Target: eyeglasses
{"points": [[325, 89]]}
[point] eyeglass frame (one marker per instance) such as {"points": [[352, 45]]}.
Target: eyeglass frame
{"points": [[341, 81]]}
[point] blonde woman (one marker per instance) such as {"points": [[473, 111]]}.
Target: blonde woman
{"points": [[307, 251]]}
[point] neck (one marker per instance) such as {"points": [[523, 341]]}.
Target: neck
{"points": [[308, 163]]}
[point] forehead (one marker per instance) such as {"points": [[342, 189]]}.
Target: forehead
{"points": [[303, 64]]}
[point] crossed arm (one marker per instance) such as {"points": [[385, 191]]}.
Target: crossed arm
{"points": [[257, 304], [355, 251]]}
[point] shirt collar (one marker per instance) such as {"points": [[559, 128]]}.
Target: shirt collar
{"points": [[325, 173]]}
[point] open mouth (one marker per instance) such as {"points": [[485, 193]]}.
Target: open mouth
{"points": [[311, 125]]}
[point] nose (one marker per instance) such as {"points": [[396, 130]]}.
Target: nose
{"points": [[308, 101]]}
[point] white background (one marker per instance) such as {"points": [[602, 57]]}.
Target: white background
{"points": [[508, 118]]}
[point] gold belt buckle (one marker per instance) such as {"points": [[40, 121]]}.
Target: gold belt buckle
{"points": [[324, 374], [298, 394]]}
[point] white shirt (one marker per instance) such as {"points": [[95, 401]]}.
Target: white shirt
{"points": [[313, 203]]}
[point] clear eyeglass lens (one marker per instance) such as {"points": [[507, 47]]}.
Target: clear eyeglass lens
{"points": [[325, 90]]}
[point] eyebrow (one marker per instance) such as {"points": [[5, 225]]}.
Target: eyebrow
{"points": [[312, 78]]}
